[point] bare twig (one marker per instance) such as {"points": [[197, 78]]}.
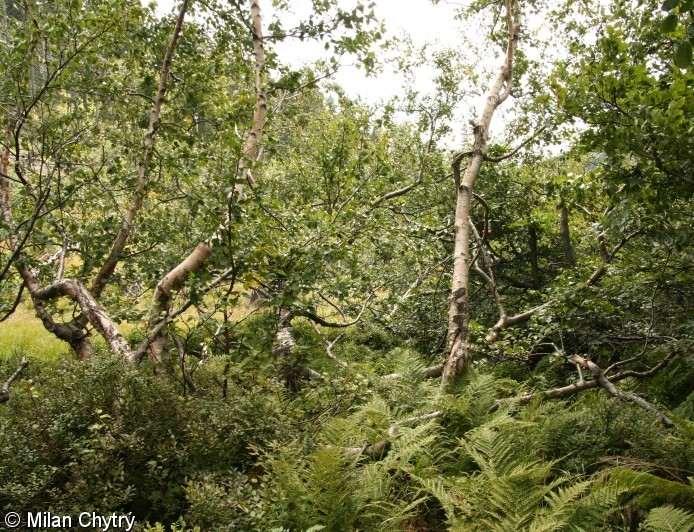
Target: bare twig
{"points": [[515, 150], [187, 379]]}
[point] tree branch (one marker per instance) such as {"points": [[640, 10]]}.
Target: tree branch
{"points": [[5, 391], [329, 345], [320, 321], [515, 150], [600, 380], [396, 193], [505, 322], [615, 392], [420, 176], [607, 258], [395, 427], [432, 372], [187, 379], [121, 239]]}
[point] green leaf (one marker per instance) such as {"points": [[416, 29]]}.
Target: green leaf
{"points": [[669, 24], [670, 4], [683, 55]]}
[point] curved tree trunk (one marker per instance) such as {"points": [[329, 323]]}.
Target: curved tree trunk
{"points": [[458, 349], [121, 239], [177, 277], [81, 345], [91, 312]]}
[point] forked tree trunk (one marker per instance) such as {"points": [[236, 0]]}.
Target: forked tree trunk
{"points": [[90, 311], [458, 348], [177, 277]]}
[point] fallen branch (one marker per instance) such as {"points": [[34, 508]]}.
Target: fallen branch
{"points": [[616, 392], [329, 345], [395, 427], [5, 391], [377, 451], [311, 374], [432, 372], [600, 380]]}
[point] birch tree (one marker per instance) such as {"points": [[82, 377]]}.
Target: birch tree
{"points": [[458, 347]]}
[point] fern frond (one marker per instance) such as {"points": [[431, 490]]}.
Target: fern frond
{"points": [[668, 519], [491, 448], [414, 444], [565, 497], [445, 493]]}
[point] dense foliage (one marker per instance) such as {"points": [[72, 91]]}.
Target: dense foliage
{"points": [[293, 382]]}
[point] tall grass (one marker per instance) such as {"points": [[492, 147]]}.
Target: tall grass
{"points": [[23, 333]]}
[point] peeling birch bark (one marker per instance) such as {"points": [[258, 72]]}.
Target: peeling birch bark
{"points": [[458, 348]]}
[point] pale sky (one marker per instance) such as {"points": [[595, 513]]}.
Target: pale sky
{"points": [[425, 23], [421, 20]]}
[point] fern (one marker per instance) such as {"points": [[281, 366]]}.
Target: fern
{"points": [[490, 447], [493, 478], [668, 519], [476, 403], [411, 391], [445, 493], [509, 488]]}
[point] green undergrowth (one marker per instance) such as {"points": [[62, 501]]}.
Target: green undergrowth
{"points": [[245, 453]]}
